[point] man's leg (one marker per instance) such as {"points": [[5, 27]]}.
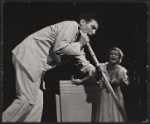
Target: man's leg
{"points": [[36, 113], [27, 93], [17, 111]]}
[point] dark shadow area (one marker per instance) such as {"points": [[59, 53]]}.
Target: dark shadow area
{"points": [[92, 96]]}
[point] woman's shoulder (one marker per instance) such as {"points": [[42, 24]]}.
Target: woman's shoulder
{"points": [[122, 69]]}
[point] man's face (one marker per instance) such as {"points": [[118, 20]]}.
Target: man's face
{"points": [[89, 28]]}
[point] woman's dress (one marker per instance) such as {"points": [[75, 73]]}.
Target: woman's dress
{"points": [[107, 109]]}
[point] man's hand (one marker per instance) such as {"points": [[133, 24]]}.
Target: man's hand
{"points": [[92, 72], [101, 68], [84, 39]]}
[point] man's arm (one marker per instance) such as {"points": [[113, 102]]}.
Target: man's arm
{"points": [[66, 43]]}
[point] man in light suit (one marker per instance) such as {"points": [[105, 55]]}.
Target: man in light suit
{"points": [[40, 52]]}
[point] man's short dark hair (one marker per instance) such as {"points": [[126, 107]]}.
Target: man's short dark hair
{"points": [[88, 17]]}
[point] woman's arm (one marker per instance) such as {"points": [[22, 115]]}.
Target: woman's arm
{"points": [[122, 78], [79, 81]]}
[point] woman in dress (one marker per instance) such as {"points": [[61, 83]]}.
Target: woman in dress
{"points": [[117, 76], [107, 110]]}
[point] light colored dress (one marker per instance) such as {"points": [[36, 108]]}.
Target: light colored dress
{"points": [[107, 110], [36, 54]]}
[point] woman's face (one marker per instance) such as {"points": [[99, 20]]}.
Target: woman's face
{"points": [[114, 57], [89, 28]]}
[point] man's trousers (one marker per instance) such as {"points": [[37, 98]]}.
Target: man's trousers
{"points": [[28, 106]]}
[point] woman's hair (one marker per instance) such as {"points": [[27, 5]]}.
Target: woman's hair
{"points": [[88, 17], [120, 53]]}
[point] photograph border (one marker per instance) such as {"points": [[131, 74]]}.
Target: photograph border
{"points": [[74, 1]]}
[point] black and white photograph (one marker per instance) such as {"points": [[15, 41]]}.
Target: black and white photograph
{"points": [[75, 61]]}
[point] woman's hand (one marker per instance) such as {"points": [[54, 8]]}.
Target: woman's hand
{"points": [[123, 79], [79, 81], [115, 83], [76, 81]]}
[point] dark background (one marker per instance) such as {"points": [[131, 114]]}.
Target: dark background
{"points": [[124, 25]]}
